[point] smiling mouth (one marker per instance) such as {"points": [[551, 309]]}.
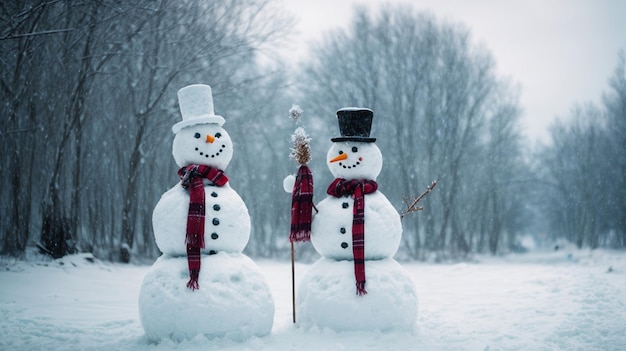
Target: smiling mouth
{"points": [[349, 166], [202, 153]]}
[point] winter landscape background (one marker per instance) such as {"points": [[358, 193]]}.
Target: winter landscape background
{"points": [[89, 98], [521, 245]]}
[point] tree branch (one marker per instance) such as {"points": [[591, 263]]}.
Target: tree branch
{"points": [[43, 32], [412, 207]]}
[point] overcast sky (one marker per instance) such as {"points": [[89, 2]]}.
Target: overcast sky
{"points": [[561, 52]]}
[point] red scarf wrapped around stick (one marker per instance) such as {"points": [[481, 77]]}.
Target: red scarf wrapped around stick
{"points": [[301, 206], [191, 178], [357, 188]]}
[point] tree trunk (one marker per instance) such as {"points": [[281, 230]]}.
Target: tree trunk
{"points": [[130, 196], [16, 236]]}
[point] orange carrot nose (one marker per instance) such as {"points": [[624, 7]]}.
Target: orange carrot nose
{"points": [[210, 138], [339, 158]]}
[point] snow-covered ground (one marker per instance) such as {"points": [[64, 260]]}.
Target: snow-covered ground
{"points": [[564, 300]]}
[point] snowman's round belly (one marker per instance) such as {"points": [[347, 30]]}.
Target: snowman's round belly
{"points": [[327, 297], [226, 225], [233, 301], [331, 230]]}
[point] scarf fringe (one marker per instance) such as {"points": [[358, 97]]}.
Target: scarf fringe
{"points": [[300, 236], [193, 281], [360, 288]]}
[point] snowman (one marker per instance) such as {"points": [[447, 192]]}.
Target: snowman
{"points": [[356, 284], [203, 284]]}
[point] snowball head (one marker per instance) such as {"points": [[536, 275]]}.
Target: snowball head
{"points": [[226, 225], [354, 160], [205, 144], [234, 300], [289, 182], [331, 229], [327, 297]]}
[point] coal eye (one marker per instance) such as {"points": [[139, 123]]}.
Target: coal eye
{"points": [[197, 135], [340, 152], [355, 149], [217, 135]]}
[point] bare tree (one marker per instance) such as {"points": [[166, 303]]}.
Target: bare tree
{"points": [[92, 98], [21, 35], [615, 104], [82, 53], [571, 163], [585, 173]]}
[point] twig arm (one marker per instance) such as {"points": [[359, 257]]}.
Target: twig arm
{"points": [[412, 207]]}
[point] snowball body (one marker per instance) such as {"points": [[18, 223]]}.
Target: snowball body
{"points": [[331, 229], [234, 300], [226, 227], [327, 297]]}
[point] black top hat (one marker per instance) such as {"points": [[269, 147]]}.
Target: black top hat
{"points": [[355, 124]]}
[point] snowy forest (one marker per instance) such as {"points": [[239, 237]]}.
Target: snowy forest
{"points": [[88, 99]]}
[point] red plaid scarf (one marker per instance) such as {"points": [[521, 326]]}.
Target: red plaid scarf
{"points": [[357, 188], [191, 178], [301, 205]]}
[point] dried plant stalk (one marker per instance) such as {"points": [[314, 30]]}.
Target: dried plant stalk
{"points": [[301, 149]]}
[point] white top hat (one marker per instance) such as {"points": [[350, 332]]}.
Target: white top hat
{"points": [[196, 106]]}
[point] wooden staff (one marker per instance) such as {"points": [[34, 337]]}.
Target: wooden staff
{"points": [[293, 284]]}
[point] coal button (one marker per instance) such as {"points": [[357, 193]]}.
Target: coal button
{"points": [[345, 205], [216, 221], [342, 230], [344, 245], [216, 207], [214, 194], [214, 236], [212, 252]]}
